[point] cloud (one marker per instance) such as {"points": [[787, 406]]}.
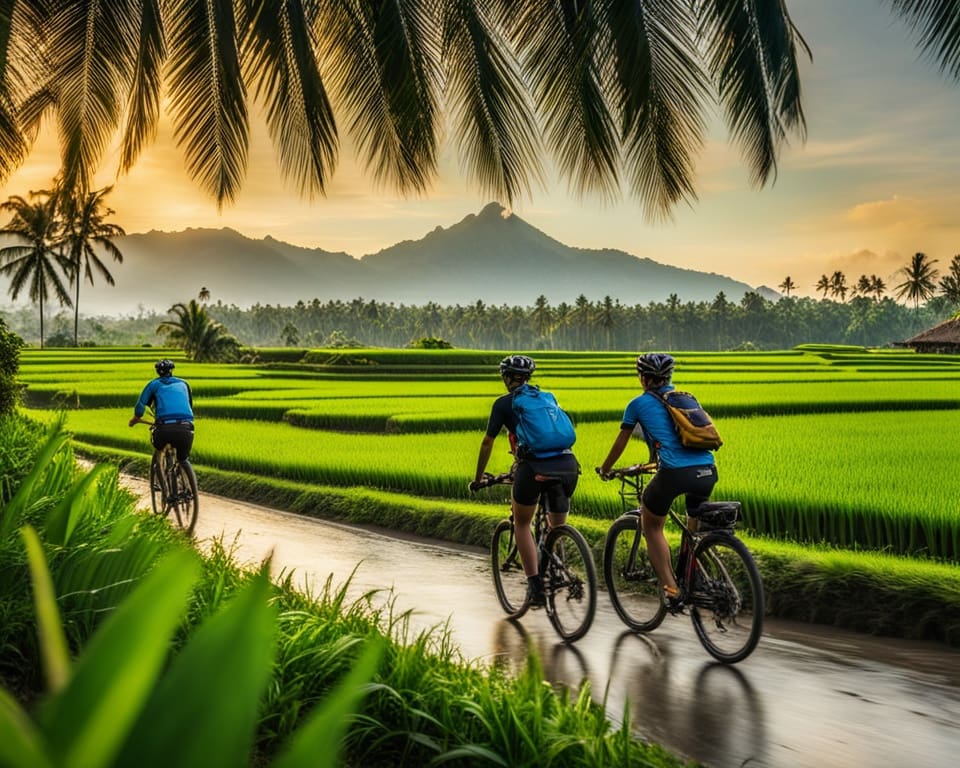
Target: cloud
{"points": [[866, 262], [891, 214]]}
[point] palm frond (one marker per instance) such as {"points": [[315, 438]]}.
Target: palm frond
{"points": [[938, 24], [564, 53], [92, 42], [781, 39], [752, 56], [32, 111], [143, 108], [207, 94], [494, 123], [21, 67], [278, 54], [660, 89], [384, 60]]}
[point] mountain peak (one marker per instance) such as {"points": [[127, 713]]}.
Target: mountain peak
{"points": [[494, 210]]}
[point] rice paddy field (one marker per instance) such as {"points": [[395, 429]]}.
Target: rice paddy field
{"points": [[834, 449]]}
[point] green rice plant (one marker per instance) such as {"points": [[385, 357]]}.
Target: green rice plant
{"points": [[789, 487], [119, 704]]}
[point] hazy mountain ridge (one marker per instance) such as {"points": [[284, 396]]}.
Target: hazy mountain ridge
{"points": [[491, 256]]}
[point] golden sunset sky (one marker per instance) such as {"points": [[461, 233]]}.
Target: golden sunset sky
{"points": [[877, 180]]}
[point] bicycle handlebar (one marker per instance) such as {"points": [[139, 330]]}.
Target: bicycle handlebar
{"points": [[505, 478], [632, 471]]}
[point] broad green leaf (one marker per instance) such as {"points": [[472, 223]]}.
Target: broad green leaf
{"points": [[316, 744], [205, 710], [21, 743], [53, 643], [64, 518], [12, 515], [119, 667]]}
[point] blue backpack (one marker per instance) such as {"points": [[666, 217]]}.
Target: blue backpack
{"points": [[544, 430]]}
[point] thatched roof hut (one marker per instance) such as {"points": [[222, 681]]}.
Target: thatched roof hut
{"points": [[943, 338]]}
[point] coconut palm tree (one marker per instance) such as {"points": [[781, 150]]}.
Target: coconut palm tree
{"points": [[787, 286], [950, 282], [877, 287], [36, 260], [920, 280], [85, 225], [199, 335], [823, 285], [838, 285]]}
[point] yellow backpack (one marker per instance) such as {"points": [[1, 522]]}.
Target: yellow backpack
{"points": [[694, 425]]}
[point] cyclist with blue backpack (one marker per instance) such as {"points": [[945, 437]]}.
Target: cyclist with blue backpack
{"points": [[171, 400], [541, 436], [681, 470]]}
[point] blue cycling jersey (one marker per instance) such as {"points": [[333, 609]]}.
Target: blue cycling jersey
{"points": [[647, 411], [169, 397]]}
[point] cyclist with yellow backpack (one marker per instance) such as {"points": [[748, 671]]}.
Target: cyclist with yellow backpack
{"points": [[680, 469]]}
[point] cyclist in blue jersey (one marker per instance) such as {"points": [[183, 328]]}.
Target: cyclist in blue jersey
{"points": [[171, 401], [556, 474], [680, 470]]}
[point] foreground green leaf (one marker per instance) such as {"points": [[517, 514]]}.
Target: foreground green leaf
{"points": [[317, 743], [205, 710], [21, 743], [89, 721], [53, 643]]}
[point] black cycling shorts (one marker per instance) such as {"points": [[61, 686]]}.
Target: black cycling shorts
{"points": [[696, 482], [563, 473], [179, 435]]}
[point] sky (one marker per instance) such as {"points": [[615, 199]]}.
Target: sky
{"points": [[875, 181]]}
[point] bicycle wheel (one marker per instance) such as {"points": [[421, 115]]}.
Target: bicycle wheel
{"points": [[631, 581], [570, 581], [726, 595], [185, 502], [156, 486], [508, 577]]}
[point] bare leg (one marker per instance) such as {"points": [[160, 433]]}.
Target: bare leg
{"points": [[657, 547], [526, 546]]}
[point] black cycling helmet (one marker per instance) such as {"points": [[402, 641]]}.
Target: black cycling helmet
{"points": [[658, 365], [164, 367], [517, 365]]}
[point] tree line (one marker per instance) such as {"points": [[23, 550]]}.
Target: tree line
{"points": [[754, 322]]}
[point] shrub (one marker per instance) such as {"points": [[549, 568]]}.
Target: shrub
{"points": [[430, 342], [10, 345]]}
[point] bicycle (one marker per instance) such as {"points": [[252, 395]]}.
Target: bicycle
{"points": [[569, 574], [173, 487], [719, 583]]}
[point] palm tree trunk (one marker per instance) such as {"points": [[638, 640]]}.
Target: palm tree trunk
{"points": [[76, 312], [76, 306], [41, 319]]}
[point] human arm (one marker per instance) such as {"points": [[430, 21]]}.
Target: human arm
{"points": [[486, 448], [618, 447], [145, 399]]}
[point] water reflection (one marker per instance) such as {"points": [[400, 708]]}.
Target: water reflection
{"points": [[561, 664], [728, 717]]}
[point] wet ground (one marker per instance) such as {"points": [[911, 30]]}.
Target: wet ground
{"points": [[808, 697]]}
